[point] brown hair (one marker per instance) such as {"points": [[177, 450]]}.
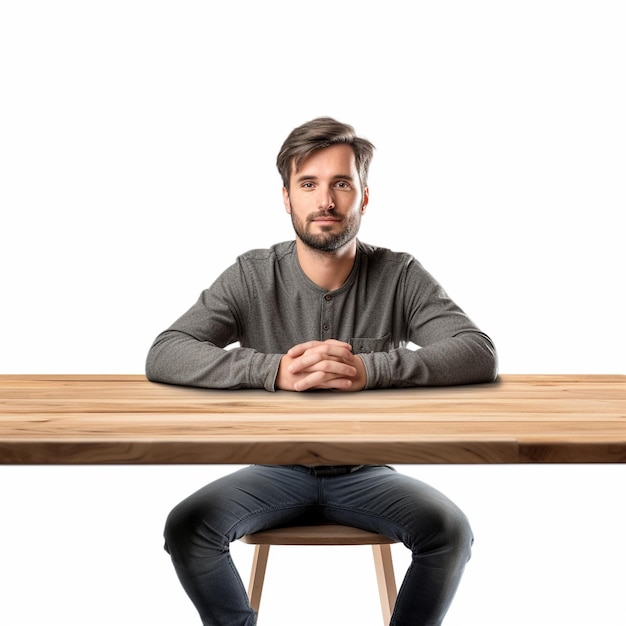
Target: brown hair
{"points": [[322, 132]]}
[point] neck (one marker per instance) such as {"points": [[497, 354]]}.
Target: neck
{"points": [[328, 270]]}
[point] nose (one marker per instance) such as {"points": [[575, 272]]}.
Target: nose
{"points": [[326, 200]]}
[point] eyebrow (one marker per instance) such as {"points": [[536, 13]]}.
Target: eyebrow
{"points": [[306, 177]]}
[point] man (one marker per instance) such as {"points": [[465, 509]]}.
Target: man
{"points": [[325, 311]]}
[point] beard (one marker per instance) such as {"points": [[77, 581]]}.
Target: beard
{"points": [[329, 239]]}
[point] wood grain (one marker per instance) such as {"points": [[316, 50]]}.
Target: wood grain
{"points": [[97, 419]]}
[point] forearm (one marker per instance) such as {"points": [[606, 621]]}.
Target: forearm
{"points": [[467, 358], [179, 359]]}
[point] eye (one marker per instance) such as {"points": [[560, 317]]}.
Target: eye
{"points": [[342, 184]]}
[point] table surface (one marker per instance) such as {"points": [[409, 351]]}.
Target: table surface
{"points": [[100, 419]]}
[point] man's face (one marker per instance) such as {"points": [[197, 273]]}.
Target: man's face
{"points": [[325, 200]]}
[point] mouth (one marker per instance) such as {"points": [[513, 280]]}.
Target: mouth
{"points": [[325, 219]]}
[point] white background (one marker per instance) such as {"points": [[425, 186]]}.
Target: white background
{"points": [[137, 148]]}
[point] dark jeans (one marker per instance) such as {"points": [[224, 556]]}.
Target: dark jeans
{"points": [[376, 498]]}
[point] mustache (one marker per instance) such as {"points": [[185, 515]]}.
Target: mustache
{"points": [[323, 215]]}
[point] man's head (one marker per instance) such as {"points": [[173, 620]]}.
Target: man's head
{"points": [[324, 168], [322, 132]]}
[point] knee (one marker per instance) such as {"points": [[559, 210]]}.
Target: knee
{"points": [[188, 530], [447, 533], [458, 534], [176, 529]]}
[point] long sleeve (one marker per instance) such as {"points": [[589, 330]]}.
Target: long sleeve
{"points": [[467, 358], [452, 350], [192, 350]]}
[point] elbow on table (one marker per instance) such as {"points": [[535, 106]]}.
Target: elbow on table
{"points": [[152, 368], [490, 362], [157, 360], [491, 371], [482, 363]]}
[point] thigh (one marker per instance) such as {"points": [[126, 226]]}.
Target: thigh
{"points": [[380, 499], [248, 500]]}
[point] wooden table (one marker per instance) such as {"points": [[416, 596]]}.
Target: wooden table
{"points": [[87, 419]]}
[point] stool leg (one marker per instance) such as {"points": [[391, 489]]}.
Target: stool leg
{"points": [[386, 580], [257, 576]]}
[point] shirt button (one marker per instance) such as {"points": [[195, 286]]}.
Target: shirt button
{"points": [[328, 298], [326, 327]]}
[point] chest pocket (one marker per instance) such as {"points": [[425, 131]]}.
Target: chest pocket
{"points": [[363, 345]]}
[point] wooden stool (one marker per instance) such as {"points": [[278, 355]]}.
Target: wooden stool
{"points": [[324, 535]]}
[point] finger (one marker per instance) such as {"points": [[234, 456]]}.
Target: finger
{"points": [[323, 363], [301, 348], [319, 355], [331, 367], [321, 380]]}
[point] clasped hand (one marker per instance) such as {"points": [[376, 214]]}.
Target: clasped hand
{"points": [[326, 364]]}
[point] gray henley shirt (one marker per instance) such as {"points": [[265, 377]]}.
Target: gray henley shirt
{"points": [[264, 304]]}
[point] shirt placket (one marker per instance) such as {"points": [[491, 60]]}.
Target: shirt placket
{"points": [[327, 319]]}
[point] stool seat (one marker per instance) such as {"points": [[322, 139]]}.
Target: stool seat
{"points": [[324, 535]]}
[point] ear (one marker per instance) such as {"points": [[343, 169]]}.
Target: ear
{"points": [[366, 199], [286, 200]]}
